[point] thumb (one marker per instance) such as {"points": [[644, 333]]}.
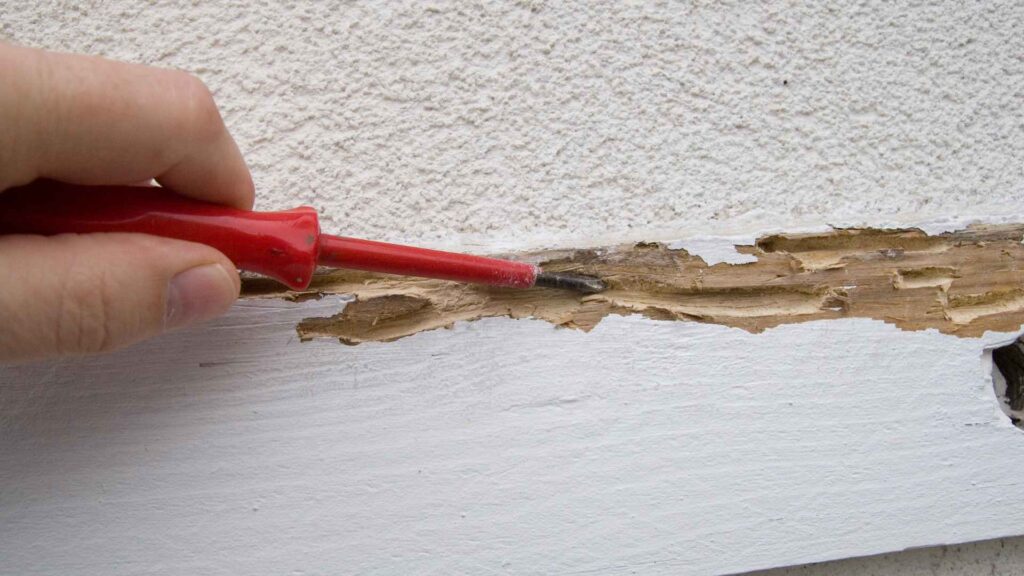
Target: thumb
{"points": [[79, 294]]}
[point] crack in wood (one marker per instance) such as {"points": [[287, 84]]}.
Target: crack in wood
{"points": [[961, 283], [1009, 360]]}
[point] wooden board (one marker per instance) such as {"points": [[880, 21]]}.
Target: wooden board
{"points": [[512, 446]]}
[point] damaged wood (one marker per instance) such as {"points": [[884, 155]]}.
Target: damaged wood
{"points": [[961, 283]]}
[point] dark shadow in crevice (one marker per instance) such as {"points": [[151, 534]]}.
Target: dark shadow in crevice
{"points": [[1008, 379]]}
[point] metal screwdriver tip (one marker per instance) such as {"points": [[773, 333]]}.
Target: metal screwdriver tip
{"points": [[577, 282]]}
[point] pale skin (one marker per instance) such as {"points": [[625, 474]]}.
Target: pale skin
{"points": [[88, 120]]}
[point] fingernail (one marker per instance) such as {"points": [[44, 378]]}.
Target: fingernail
{"points": [[199, 294]]}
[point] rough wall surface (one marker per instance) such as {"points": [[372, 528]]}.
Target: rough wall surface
{"points": [[537, 122]]}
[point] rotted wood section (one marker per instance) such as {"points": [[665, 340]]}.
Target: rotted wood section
{"points": [[961, 283]]}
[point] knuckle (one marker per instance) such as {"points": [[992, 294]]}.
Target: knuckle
{"points": [[203, 120], [84, 322]]}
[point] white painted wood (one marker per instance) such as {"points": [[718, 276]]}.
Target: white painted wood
{"points": [[502, 446]]}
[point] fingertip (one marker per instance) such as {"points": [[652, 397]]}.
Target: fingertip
{"points": [[246, 195], [233, 188], [213, 166], [215, 173], [199, 294]]}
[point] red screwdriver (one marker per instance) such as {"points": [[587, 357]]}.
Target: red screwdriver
{"points": [[286, 245]]}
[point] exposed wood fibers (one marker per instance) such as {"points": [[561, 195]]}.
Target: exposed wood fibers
{"points": [[961, 283]]}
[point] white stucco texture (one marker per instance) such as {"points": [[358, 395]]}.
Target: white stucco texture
{"points": [[514, 124]]}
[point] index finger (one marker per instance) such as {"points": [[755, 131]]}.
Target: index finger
{"points": [[88, 120]]}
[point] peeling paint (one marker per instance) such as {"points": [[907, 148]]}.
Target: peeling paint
{"points": [[717, 249]]}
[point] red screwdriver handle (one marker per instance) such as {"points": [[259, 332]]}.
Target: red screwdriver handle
{"points": [[283, 245]]}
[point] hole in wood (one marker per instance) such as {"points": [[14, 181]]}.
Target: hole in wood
{"points": [[1008, 379]]}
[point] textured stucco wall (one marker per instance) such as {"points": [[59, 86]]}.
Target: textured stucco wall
{"points": [[538, 122]]}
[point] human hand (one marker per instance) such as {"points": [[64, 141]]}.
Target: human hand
{"points": [[87, 120]]}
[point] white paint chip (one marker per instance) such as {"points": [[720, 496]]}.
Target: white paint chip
{"points": [[715, 250]]}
